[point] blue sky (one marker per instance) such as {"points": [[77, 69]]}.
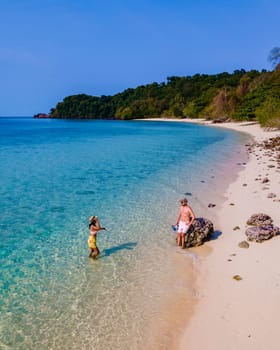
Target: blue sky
{"points": [[55, 48]]}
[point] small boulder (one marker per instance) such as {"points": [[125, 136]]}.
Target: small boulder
{"points": [[271, 195], [199, 232], [259, 219], [243, 244], [237, 277], [261, 233]]}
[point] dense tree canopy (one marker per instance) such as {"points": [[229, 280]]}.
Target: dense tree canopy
{"points": [[242, 95]]}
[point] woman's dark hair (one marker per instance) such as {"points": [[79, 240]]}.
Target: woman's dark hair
{"points": [[93, 222]]}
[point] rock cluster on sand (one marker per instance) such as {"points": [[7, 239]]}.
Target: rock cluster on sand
{"points": [[259, 219], [262, 228], [199, 232], [272, 146]]}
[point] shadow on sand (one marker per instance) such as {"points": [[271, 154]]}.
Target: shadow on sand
{"points": [[215, 235], [110, 251]]}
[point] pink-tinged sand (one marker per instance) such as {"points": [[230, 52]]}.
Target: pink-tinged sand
{"points": [[245, 314]]}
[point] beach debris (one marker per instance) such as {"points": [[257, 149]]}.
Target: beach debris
{"points": [[271, 195], [244, 185], [243, 244], [229, 260], [259, 219], [261, 233], [199, 232], [265, 180], [211, 205], [236, 228], [231, 204], [237, 277]]}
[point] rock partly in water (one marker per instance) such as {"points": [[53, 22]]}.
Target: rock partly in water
{"points": [[199, 232], [259, 219], [261, 233], [41, 115]]}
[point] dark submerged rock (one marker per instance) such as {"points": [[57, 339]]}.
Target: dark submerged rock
{"points": [[199, 232]]}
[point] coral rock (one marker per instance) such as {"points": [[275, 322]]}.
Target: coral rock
{"points": [[199, 232], [259, 219], [261, 233]]}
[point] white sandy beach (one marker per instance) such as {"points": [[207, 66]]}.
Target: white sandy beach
{"points": [[242, 314]]}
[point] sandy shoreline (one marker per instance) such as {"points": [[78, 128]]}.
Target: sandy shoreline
{"points": [[241, 314]]}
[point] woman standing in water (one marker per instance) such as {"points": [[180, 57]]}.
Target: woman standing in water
{"points": [[94, 227]]}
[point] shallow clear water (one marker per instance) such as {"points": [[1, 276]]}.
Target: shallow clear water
{"points": [[54, 175]]}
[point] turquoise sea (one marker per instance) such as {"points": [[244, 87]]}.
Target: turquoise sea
{"points": [[57, 173]]}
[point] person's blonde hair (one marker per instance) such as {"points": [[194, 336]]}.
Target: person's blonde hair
{"points": [[184, 200]]}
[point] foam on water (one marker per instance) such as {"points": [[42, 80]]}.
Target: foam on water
{"points": [[54, 175]]}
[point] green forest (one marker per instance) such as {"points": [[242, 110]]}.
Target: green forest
{"points": [[241, 95]]}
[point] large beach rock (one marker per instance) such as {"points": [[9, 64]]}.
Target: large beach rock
{"points": [[261, 233], [259, 219], [199, 232]]}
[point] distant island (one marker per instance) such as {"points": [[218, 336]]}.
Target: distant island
{"points": [[242, 95]]}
